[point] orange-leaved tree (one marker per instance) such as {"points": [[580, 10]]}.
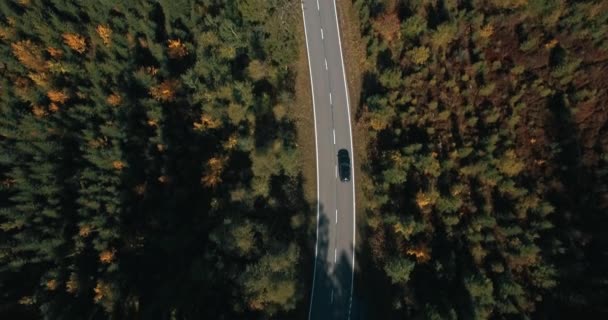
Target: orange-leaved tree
{"points": [[29, 54], [176, 49], [164, 92], [75, 41]]}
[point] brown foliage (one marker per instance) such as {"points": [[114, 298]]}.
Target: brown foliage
{"points": [[71, 285], [206, 122], [421, 253], [213, 171], [388, 25], [22, 88], [102, 290], [423, 199], [104, 33], [84, 231], [231, 142], [164, 92], [38, 111], [378, 244], [54, 52], [57, 96], [52, 285], [29, 54], [487, 31], [177, 49], [107, 256], [520, 263], [118, 165], [6, 33], [75, 41], [114, 100], [98, 143], [551, 44]]}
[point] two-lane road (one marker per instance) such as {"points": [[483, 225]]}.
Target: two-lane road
{"points": [[332, 288]]}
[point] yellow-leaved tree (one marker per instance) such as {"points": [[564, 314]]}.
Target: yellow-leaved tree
{"points": [[105, 33]]}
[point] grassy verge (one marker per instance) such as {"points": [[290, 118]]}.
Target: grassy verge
{"points": [[302, 115]]}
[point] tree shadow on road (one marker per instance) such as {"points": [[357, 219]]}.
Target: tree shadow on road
{"points": [[331, 297]]}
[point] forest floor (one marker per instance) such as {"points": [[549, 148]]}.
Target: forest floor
{"points": [[369, 282]]}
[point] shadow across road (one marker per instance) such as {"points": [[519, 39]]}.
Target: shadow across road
{"points": [[333, 275]]}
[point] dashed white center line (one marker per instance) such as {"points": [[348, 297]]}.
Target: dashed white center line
{"points": [[325, 64], [335, 254], [334, 131], [336, 216], [330, 102], [318, 9], [322, 37]]}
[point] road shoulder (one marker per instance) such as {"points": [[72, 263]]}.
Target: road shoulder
{"points": [[302, 116]]}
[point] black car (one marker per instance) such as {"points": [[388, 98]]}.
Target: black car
{"points": [[344, 165]]}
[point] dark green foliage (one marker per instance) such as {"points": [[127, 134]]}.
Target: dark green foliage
{"points": [[136, 163]]}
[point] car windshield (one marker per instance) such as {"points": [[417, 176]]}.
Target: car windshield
{"points": [[343, 155]]}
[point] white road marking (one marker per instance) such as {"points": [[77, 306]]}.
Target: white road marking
{"points": [[318, 9], [334, 131], [350, 130], [322, 34], [330, 102], [326, 64], [335, 254], [336, 216], [314, 111]]}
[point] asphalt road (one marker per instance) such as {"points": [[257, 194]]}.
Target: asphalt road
{"points": [[332, 289]]}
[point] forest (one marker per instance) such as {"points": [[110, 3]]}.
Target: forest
{"points": [[487, 124], [148, 163]]}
